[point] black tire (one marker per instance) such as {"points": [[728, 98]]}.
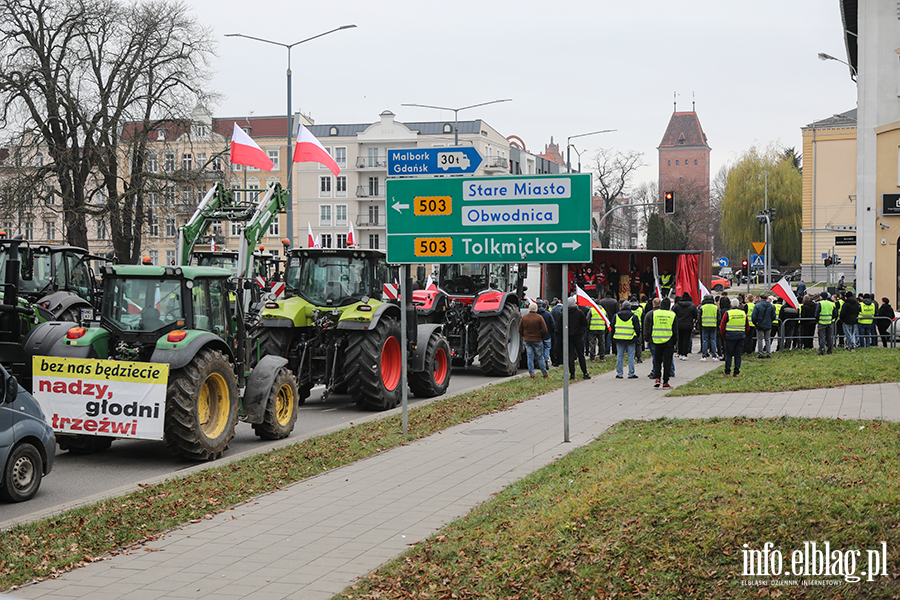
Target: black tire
{"points": [[499, 346], [281, 408], [22, 474], [201, 407], [718, 287], [277, 341], [373, 365], [84, 444], [433, 381], [72, 314]]}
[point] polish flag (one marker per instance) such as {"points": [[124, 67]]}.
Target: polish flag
{"points": [[783, 290], [657, 287], [351, 240], [318, 243], [582, 299], [244, 151], [430, 285], [310, 240], [703, 290], [308, 149]]}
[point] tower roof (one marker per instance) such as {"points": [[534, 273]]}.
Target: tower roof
{"points": [[684, 130]]}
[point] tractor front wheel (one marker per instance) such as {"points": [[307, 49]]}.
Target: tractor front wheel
{"points": [[201, 407], [433, 381], [281, 408]]}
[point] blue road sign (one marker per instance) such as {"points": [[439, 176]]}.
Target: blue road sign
{"points": [[723, 262], [757, 261], [433, 161]]}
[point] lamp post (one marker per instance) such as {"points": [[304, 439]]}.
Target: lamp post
{"points": [[569, 147], [290, 130], [823, 57], [456, 113]]}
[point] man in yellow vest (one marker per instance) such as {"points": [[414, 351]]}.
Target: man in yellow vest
{"points": [[626, 329], [709, 324], [734, 328], [825, 318], [867, 311], [663, 340], [597, 334]]}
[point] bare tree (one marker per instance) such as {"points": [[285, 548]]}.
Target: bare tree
{"points": [[613, 170], [646, 193], [76, 74]]}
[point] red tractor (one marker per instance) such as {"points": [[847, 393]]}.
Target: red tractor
{"points": [[477, 306]]}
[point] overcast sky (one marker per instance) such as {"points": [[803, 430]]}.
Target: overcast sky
{"points": [[570, 67]]}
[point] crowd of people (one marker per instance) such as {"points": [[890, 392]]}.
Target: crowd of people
{"points": [[729, 327]]}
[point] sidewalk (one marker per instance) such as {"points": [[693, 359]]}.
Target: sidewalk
{"points": [[312, 539]]}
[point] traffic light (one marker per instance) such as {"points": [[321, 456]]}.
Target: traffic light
{"points": [[828, 261], [837, 259], [744, 264], [670, 203], [771, 214]]}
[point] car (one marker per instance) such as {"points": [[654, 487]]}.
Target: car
{"points": [[27, 442], [720, 283]]}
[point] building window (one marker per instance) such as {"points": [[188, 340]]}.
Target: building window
{"points": [[153, 226], [253, 196], [670, 163], [373, 214], [161, 135], [152, 163], [186, 195], [274, 156], [373, 241], [50, 229], [340, 186], [695, 161], [373, 187], [342, 240], [448, 128], [326, 240], [201, 161], [236, 168], [186, 161], [169, 162], [340, 157], [154, 257], [201, 131], [275, 228], [340, 215], [170, 257], [324, 215], [235, 229], [50, 200], [333, 131], [29, 229], [170, 229], [217, 163], [677, 163], [325, 187], [373, 157]]}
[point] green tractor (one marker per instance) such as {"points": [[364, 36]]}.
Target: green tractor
{"points": [[333, 328], [182, 316]]}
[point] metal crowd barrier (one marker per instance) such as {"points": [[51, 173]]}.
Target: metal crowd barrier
{"points": [[784, 340]]}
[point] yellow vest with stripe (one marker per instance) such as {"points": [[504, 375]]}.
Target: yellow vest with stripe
{"points": [[708, 314], [662, 326], [639, 311], [777, 318], [597, 322], [826, 312], [737, 320], [624, 329], [867, 314], [750, 306], [665, 280]]}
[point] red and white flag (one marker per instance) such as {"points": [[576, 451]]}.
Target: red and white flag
{"points": [[244, 151], [310, 240], [582, 299], [318, 243], [657, 287], [783, 290], [308, 149], [704, 292], [351, 240], [430, 285]]}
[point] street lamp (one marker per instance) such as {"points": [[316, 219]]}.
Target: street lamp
{"points": [[823, 57], [569, 146], [456, 114], [290, 131]]}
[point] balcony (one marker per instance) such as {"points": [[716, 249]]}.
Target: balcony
{"points": [[492, 164], [369, 191], [372, 163], [366, 220]]}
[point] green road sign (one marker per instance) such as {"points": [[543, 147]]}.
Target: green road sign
{"points": [[532, 218]]}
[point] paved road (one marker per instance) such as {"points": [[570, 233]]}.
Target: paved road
{"points": [[79, 479]]}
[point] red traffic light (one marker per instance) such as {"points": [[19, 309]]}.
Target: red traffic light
{"points": [[744, 264], [669, 198]]}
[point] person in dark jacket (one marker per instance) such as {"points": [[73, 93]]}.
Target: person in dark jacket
{"points": [[850, 320], [611, 306], [808, 322], [886, 314], [685, 318], [577, 327], [556, 313], [789, 316], [551, 327], [734, 328], [626, 329], [763, 316], [724, 307], [532, 328]]}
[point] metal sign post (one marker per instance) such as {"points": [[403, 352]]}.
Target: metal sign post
{"points": [[565, 345]]}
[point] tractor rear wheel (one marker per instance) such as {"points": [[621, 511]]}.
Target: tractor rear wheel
{"points": [[201, 407], [373, 365], [433, 381], [499, 345], [281, 408]]}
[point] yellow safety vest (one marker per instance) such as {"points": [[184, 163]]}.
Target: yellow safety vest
{"points": [[665, 280], [597, 322], [777, 319], [737, 320], [639, 311], [624, 330], [708, 313], [750, 306], [826, 312], [662, 326], [867, 314]]}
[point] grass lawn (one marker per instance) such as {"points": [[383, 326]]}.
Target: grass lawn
{"points": [[57, 544], [671, 509], [800, 370]]}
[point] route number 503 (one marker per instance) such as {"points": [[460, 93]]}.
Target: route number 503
{"points": [[433, 205], [440, 246]]}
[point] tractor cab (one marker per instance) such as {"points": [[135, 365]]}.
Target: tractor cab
{"points": [[224, 259], [336, 277]]}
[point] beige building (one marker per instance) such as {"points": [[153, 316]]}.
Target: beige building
{"points": [[829, 197]]}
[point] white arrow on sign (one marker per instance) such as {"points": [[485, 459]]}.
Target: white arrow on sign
{"points": [[573, 245], [399, 207]]}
